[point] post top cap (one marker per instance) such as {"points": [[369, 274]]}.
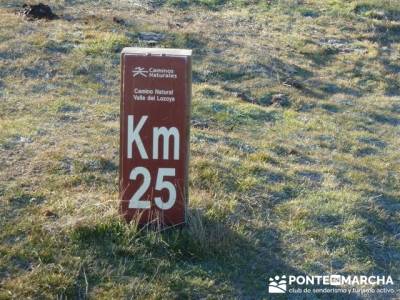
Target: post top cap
{"points": [[157, 51]]}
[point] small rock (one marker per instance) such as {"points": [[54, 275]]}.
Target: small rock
{"points": [[334, 46], [174, 25], [293, 83], [25, 140], [280, 99], [119, 21], [38, 11], [151, 37], [293, 152], [245, 97], [48, 213], [377, 14], [68, 18], [199, 124]]}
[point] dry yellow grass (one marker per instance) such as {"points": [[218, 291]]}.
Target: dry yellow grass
{"points": [[307, 187]]}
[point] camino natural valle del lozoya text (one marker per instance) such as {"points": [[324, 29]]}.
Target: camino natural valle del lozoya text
{"points": [[153, 95]]}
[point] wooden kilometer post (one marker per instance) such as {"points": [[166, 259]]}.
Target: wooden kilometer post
{"points": [[154, 135]]}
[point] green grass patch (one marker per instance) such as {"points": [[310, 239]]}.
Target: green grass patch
{"points": [[307, 187]]}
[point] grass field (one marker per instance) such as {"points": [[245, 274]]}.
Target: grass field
{"points": [[295, 161]]}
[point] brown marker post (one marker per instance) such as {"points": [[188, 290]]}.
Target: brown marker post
{"points": [[154, 134]]}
